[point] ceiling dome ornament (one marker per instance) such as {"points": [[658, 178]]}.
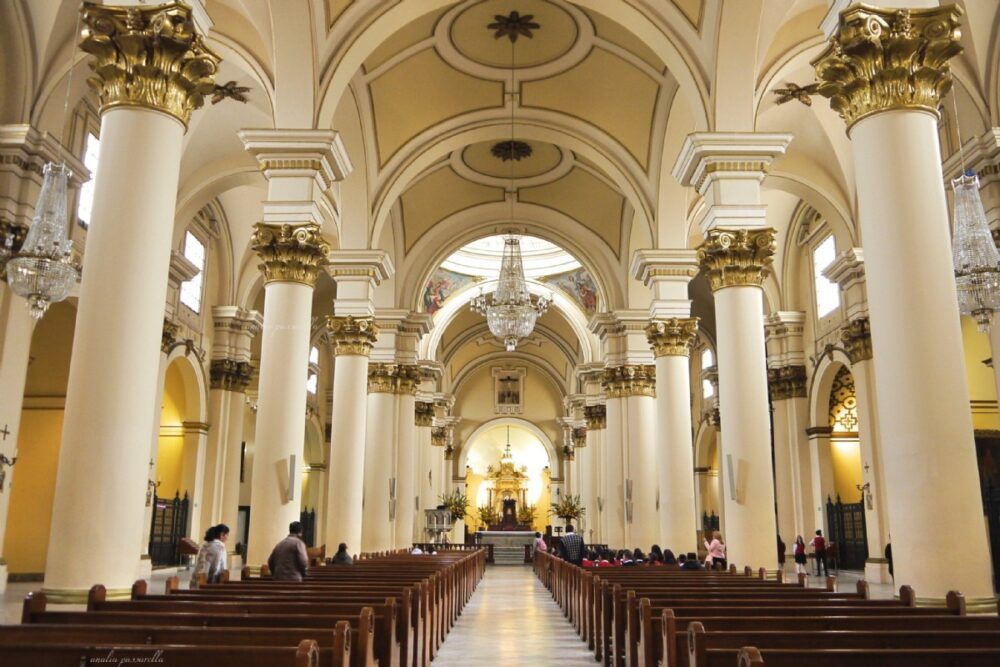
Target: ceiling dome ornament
{"points": [[513, 26], [511, 150]]}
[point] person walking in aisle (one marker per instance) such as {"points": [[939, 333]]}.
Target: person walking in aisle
{"points": [[799, 552], [819, 548], [211, 559], [540, 543], [289, 560]]}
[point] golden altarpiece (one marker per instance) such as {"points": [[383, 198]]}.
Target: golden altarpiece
{"points": [[507, 488]]}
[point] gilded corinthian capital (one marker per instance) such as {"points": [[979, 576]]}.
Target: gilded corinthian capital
{"points": [[148, 57], [786, 382], [885, 59], [423, 414], [856, 336], [672, 337], [352, 335], [630, 380], [230, 375], [596, 416], [737, 257], [290, 254]]}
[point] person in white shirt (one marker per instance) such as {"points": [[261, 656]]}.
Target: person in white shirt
{"points": [[211, 560]]}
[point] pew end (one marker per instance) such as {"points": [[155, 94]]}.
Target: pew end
{"points": [[779, 576], [906, 596], [696, 643], [955, 602], [669, 622], [747, 571], [172, 585], [762, 573], [831, 583], [34, 603], [732, 569], [803, 580], [307, 654], [750, 657], [97, 594], [863, 590], [139, 589], [342, 643]]}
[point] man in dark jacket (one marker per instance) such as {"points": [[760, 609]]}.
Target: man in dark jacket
{"points": [[289, 560]]}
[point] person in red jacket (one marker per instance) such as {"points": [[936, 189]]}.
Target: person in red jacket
{"points": [[819, 547]]}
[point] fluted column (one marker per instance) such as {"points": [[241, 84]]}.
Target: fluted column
{"points": [[151, 69], [736, 263], [927, 436], [671, 340], [291, 260], [352, 343]]}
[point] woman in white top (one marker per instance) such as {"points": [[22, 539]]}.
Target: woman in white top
{"points": [[211, 560]]}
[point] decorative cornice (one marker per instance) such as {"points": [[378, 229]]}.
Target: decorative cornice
{"points": [[886, 59], [230, 375], [856, 336], [149, 57], [352, 335], [737, 257], [819, 431], [597, 417], [630, 380], [787, 382], [673, 337], [423, 414], [290, 254]]}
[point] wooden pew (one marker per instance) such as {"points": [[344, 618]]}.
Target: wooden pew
{"points": [[306, 654], [753, 657]]}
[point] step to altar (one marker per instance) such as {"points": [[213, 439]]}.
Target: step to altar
{"points": [[508, 555]]}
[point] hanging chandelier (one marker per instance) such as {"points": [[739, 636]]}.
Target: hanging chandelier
{"points": [[42, 271], [977, 262], [510, 311]]}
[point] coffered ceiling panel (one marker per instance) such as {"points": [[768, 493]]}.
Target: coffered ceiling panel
{"points": [[587, 199], [438, 195], [413, 33], [606, 91], [421, 92], [619, 36]]}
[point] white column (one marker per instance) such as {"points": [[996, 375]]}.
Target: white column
{"points": [[352, 339], [426, 470], [643, 528], [406, 458], [100, 485], [613, 486], [927, 436], [292, 257], [381, 438], [787, 385], [15, 348], [671, 340]]}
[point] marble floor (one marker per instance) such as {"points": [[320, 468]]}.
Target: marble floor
{"points": [[512, 620]]}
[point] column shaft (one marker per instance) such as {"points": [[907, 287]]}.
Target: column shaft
{"points": [[640, 443], [613, 487], [678, 525], [276, 490], [100, 485], [229, 498], [746, 429], [405, 463]]}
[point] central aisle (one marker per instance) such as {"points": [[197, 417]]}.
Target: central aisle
{"points": [[512, 620]]}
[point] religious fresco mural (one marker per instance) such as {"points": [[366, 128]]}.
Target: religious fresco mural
{"points": [[578, 285], [441, 285]]}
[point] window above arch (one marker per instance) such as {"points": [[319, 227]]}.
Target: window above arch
{"points": [[827, 291], [91, 157], [191, 290]]}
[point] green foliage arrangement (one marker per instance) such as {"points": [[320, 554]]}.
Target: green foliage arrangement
{"points": [[526, 515], [456, 502], [488, 516], [569, 508]]}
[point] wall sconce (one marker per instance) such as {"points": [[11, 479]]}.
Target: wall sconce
{"points": [[4, 464], [866, 492], [628, 501]]}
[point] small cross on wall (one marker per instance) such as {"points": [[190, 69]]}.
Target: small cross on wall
{"points": [[4, 432]]}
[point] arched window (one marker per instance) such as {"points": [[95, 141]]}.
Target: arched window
{"points": [[314, 355], [191, 290], [707, 390], [827, 291], [91, 156], [707, 358]]}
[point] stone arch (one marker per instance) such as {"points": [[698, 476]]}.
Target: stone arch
{"points": [[550, 449], [820, 384]]}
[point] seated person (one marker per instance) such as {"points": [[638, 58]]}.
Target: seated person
{"points": [[342, 557], [691, 563]]}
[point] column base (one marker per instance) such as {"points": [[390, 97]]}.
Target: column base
{"points": [[877, 571], [986, 605], [3, 576], [235, 564], [79, 595], [145, 568]]}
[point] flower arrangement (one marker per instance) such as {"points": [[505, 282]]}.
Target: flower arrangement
{"points": [[488, 516], [456, 502], [526, 515], [568, 508]]}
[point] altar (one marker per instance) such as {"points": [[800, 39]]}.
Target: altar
{"points": [[506, 538]]}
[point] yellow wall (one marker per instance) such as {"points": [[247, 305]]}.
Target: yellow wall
{"points": [[32, 491], [170, 451], [846, 455], [982, 386]]}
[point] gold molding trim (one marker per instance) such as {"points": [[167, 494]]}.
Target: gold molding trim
{"points": [[856, 336], [737, 257], [290, 254], [629, 380], [230, 375], [673, 337], [150, 57], [597, 417], [786, 382], [352, 335], [885, 59]]}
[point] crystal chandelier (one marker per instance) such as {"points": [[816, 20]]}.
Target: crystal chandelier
{"points": [[42, 271], [511, 311], [977, 262]]}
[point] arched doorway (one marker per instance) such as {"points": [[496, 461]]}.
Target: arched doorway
{"points": [[33, 487], [529, 454]]}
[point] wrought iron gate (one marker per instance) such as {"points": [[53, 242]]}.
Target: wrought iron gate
{"points": [[846, 530], [169, 525]]}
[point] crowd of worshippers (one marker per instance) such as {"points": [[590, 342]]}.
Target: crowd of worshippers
{"points": [[571, 548]]}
